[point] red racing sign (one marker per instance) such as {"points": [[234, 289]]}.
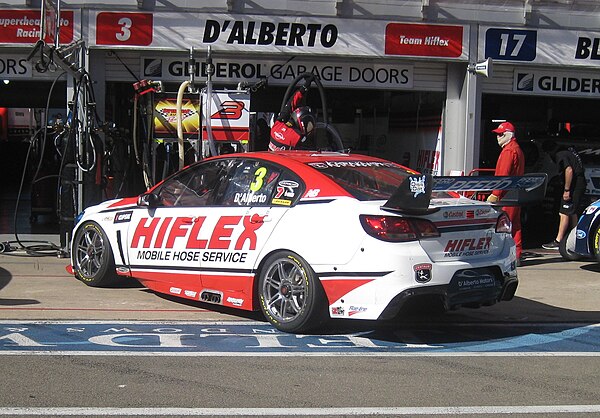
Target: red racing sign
{"points": [[23, 27], [423, 40]]}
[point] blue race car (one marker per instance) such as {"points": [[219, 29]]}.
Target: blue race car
{"points": [[583, 241]]}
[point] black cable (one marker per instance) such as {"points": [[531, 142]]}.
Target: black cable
{"points": [[46, 248], [135, 77]]}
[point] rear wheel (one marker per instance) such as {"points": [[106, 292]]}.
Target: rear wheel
{"points": [[93, 261], [290, 294], [595, 242], [566, 246]]}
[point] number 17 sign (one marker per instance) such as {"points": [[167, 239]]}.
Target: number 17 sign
{"points": [[127, 29]]}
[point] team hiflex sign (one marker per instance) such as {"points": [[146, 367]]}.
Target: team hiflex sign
{"points": [[179, 238]]}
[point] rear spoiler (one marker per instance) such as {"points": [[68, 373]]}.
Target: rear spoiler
{"points": [[414, 193]]}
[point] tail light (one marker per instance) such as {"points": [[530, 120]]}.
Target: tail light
{"points": [[503, 224], [397, 229]]}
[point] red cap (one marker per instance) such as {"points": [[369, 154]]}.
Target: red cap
{"points": [[503, 127]]}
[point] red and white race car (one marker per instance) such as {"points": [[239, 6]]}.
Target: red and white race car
{"points": [[304, 236]]}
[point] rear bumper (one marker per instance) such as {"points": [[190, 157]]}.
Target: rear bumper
{"points": [[475, 289]]}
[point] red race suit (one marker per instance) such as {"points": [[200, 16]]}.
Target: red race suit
{"points": [[511, 162], [284, 135]]}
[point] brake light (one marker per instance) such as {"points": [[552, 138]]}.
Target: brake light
{"points": [[398, 229], [503, 224]]}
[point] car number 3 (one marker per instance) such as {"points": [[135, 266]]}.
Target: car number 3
{"points": [[260, 174]]}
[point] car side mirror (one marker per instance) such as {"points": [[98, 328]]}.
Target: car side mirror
{"points": [[150, 200]]}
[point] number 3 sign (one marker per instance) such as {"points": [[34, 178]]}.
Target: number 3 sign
{"points": [[124, 29]]}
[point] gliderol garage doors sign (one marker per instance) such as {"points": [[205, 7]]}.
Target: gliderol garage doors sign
{"points": [[278, 34], [338, 74]]}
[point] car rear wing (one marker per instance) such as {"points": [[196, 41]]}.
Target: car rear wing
{"points": [[414, 193]]}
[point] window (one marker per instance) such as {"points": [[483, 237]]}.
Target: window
{"points": [[194, 186], [258, 183]]}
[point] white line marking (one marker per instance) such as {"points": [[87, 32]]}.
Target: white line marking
{"points": [[299, 354], [256, 323], [343, 411]]}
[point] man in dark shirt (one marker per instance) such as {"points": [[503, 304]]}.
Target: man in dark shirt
{"points": [[571, 168]]}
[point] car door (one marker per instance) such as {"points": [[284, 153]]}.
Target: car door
{"points": [[163, 244], [248, 207]]}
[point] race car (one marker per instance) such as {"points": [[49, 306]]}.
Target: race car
{"points": [[305, 236], [583, 241]]}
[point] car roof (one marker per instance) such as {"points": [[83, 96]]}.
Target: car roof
{"points": [[306, 157]]}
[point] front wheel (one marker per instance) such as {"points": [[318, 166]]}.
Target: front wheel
{"points": [[93, 261], [290, 294], [567, 245]]}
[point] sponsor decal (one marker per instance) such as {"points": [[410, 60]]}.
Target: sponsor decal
{"points": [[423, 40], [175, 290], [422, 272], [286, 188], [235, 301], [417, 185], [467, 247], [590, 209], [312, 193], [580, 234], [482, 211], [190, 293], [454, 214], [226, 240], [470, 214], [122, 217], [283, 202], [337, 311], [476, 283], [353, 310], [342, 164]]}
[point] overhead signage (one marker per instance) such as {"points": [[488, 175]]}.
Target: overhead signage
{"points": [[23, 27], [424, 40], [540, 46], [14, 66], [277, 35], [331, 74], [556, 83]]}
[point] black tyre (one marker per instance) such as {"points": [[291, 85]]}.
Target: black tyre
{"points": [[93, 261], [291, 296], [567, 245], [595, 243]]}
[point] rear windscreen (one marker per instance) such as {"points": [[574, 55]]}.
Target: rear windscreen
{"points": [[365, 180]]}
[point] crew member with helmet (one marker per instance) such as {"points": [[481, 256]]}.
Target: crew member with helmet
{"points": [[294, 123], [511, 162]]}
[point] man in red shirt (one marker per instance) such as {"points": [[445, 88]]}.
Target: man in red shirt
{"points": [[511, 162], [295, 122]]}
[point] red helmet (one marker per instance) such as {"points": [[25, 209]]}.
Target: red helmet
{"points": [[303, 118]]}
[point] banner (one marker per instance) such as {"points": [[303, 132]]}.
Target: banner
{"points": [[540, 46], [282, 72], [277, 35]]}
